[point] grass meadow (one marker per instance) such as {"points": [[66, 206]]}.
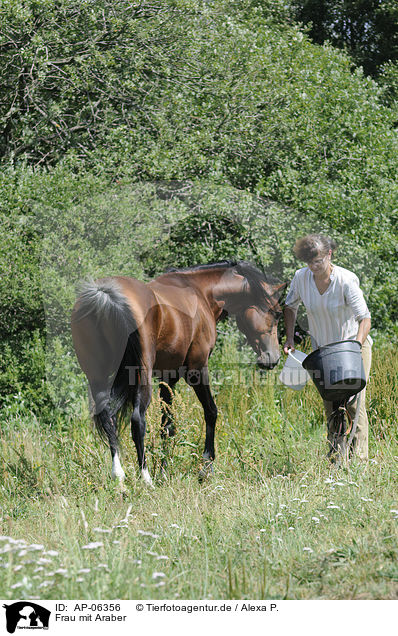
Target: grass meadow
{"points": [[275, 521]]}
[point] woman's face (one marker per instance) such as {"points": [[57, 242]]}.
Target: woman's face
{"points": [[320, 263]]}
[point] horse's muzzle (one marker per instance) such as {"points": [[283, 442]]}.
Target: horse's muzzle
{"points": [[265, 364]]}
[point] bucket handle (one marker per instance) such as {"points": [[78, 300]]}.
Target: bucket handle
{"points": [[289, 353]]}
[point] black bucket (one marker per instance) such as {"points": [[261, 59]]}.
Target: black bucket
{"points": [[337, 370]]}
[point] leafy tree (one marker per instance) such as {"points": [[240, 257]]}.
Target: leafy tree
{"points": [[367, 29], [97, 96]]}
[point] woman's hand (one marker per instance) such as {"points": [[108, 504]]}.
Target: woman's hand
{"points": [[289, 345], [289, 316]]}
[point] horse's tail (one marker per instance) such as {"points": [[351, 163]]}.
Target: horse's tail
{"points": [[108, 346]]}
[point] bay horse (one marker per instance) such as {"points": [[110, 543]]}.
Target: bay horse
{"points": [[126, 331]]}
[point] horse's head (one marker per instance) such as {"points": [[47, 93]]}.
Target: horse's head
{"points": [[259, 323]]}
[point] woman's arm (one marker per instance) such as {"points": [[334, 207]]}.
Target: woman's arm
{"points": [[292, 302], [363, 330], [289, 316]]}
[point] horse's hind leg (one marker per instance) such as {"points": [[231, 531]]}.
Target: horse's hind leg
{"points": [[138, 427], [107, 425]]}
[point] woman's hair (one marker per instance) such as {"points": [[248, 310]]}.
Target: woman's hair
{"points": [[310, 246]]}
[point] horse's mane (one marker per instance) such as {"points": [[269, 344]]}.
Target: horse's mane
{"points": [[253, 275]]}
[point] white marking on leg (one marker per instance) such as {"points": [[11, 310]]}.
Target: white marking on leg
{"points": [[117, 470], [146, 477]]}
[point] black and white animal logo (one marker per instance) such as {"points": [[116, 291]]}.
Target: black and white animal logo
{"points": [[26, 615]]}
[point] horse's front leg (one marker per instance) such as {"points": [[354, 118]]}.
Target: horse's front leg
{"points": [[199, 380], [167, 427]]}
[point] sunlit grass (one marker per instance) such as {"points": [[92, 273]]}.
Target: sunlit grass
{"points": [[275, 520]]}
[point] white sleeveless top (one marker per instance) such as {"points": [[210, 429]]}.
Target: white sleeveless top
{"points": [[335, 314]]}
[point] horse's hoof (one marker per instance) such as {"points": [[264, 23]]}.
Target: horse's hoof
{"points": [[123, 492], [206, 472], [147, 478]]}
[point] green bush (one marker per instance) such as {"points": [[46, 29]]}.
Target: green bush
{"points": [[267, 135]]}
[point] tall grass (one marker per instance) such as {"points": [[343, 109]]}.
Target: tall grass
{"points": [[275, 520]]}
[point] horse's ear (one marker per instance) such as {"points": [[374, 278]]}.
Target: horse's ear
{"points": [[279, 289]]}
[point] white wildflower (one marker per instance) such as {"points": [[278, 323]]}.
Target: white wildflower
{"points": [[93, 545], [366, 499], [103, 530], [315, 519], [174, 525], [158, 575], [307, 549], [162, 557], [16, 585], [16, 542], [84, 571], [143, 533], [6, 548]]}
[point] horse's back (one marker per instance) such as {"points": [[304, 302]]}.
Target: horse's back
{"points": [[187, 327]]}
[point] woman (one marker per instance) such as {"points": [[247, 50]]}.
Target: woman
{"points": [[336, 310]]}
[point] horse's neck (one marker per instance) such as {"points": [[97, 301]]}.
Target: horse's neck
{"points": [[222, 289]]}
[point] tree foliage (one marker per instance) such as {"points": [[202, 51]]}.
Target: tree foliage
{"points": [[366, 29], [97, 96]]}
